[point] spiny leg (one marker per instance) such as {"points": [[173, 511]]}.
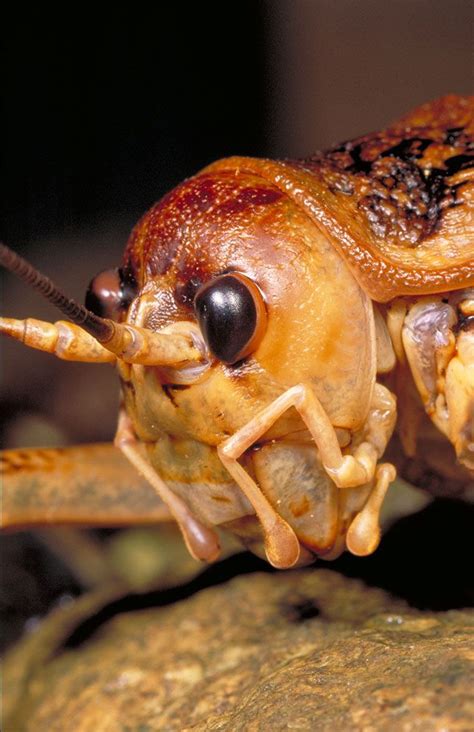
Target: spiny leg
{"points": [[85, 485], [346, 471], [201, 541]]}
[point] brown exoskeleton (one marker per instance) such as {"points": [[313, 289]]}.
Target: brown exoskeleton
{"points": [[265, 320]]}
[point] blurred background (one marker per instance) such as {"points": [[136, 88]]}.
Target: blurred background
{"points": [[101, 116]]}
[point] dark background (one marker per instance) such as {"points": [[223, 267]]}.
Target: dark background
{"points": [[102, 115]]}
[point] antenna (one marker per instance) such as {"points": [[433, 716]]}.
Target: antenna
{"points": [[101, 328], [128, 342]]}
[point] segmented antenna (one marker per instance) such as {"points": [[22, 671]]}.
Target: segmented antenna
{"points": [[98, 327]]}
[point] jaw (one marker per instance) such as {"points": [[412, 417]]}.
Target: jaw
{"points": [[289, 474], [182, 426]]}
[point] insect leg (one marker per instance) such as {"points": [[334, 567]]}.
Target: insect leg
{"points": [[438, 337], [346, 471], [370, 442], [86, 485], [65, 340], [459, 392], [281, 545], [202, 542], [363, 535]]}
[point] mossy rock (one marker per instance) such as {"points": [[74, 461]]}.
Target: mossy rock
{"points": [[301, 650]]}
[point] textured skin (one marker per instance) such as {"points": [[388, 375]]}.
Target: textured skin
{"points": [[398, 204], [389, 214], [386, 215], [218, 222]]}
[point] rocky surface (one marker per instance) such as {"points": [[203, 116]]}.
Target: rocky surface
{"points": [[300, 650]]}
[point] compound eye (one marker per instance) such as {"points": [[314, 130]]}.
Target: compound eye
{"points": [[108, 294], [232, 316]]}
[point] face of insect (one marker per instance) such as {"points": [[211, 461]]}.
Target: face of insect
{"points": [[233, 260], [247, 341]]}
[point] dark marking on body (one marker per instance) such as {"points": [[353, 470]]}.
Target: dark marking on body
{"points": [[248, 197], [161, 235], [157, 238], [408, 195], [452, 135], [25, 461], [464, 323], [408, 149], [185, 291], [191, 274], [300, 507], [459, 162], [199, 195], [359, 164], [168, 390]]}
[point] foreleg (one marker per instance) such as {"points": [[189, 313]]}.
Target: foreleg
{"points": [[201, 540], [438, 337], [346, 470]]}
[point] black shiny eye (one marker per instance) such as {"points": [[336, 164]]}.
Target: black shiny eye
{"points": [[232, 316], [109, 294]]}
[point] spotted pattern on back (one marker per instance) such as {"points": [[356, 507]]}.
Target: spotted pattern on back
{"points": [[405, 177], [398, 204]]}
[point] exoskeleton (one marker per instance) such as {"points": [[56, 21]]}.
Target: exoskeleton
{"points": [[272, 323]]}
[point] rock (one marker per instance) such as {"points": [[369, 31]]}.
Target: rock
{"points": [[301, 650]]}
